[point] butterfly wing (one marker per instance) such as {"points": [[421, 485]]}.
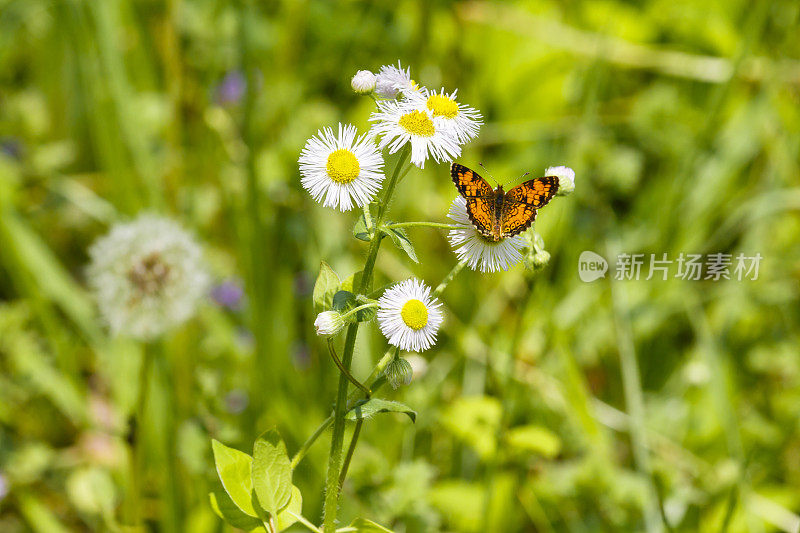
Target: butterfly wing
{"points": [[522, 202], [481, 212], [479, 195], [469, 183]]}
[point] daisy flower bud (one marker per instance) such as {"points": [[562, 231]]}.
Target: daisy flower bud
{"points": [[329, 323], [363, 82], [409, 317], [147, 276], [566, 179], [399, 372]]}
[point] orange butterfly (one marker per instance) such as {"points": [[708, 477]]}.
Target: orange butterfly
{"points": [[495, 214]]}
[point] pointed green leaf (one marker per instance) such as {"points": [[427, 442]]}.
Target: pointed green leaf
{"points": [[287, 516], [360, 230], [224, 508], [401, 240], [325, 287], [343, 300], [362, 525], [352, 282], [368, 408], [233, 468], [272, 472]]}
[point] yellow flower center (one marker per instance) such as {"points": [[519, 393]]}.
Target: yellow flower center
{"points": [[414, 314], [343, 166], [417, 123], [442, 106]]}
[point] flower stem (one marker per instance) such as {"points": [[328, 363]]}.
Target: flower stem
{"points": [[422, 224], [448, 278], [346, 372], [337, 439], [350, 450], [137, 446], [355, 310]]}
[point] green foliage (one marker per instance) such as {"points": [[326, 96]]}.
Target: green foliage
{"points": [[272, 474], [401, 240], [258, 489], [368, 408], [325, 288], [681, 121]]}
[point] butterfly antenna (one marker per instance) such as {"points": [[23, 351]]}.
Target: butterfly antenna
{"points": [[524, 175], [489, 173]]}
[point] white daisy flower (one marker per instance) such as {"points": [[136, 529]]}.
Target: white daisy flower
{"points": [[341, 171], [462, 121], [329, 323], [479, 252], [409, 317], [402, 122], [566, 179], [392, 80], [363, 82], [147, 276]]}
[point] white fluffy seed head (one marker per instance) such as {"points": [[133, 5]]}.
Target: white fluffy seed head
{"points": [[148, 276]]}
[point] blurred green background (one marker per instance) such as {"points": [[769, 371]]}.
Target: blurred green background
{"points": [[548, 404]]}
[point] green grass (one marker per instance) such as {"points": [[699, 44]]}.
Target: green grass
{"points": [[672, 405]]}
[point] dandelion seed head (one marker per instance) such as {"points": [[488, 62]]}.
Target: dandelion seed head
{"points": [[147, 275]]}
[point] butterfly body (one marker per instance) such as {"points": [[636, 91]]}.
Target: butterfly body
{"points": [[497, 214]]}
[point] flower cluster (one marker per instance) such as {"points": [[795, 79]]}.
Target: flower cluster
{"points": [[344, 170]]}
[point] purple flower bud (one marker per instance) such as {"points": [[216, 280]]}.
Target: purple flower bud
{"points": [[228, 294], [231, 89]]}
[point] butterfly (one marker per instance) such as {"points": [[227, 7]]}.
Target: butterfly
{"points": [[495, 214]]}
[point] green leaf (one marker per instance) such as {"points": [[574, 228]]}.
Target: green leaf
{"points": [[233, 468], [272, 472], [535, 439], [401, 240], [343, 300], [223, 507], [287, 516], [360, 230], [352, 282], [325, 287], [362, 525], [368, 408]]}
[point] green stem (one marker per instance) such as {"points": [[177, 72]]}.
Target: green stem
{"points": [[422, 224], [310, 442], [137, 445], [448, 278], [374, 381], [346, 372], [355, 310], [337, 439], [350, 450]]}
